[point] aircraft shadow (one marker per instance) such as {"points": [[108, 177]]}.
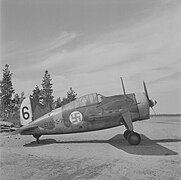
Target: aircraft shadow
{"points": [[146, 147]]}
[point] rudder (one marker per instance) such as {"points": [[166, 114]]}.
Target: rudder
{"points": [[31, 110], [39, 109]]}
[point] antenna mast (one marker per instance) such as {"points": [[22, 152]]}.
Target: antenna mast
{"points": [[123, 86]]}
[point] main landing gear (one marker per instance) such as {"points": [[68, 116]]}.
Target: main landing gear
{"points": [[37, 136], [132, 137]]}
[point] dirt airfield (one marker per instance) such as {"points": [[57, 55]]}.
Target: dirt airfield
{"points": [[96, 155]]}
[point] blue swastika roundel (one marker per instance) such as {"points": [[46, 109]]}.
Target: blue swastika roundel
{"points": [[75, 117]]}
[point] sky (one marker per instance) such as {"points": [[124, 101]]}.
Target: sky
{"points": [[89, 45]]}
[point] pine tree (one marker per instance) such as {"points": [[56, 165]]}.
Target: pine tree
{"points": [[22, 97], [37, 94], [1, 104], [16, 101], [6, 91], [47, 90], [16, 105], [71, 95], [64, 101], [58, 103]]}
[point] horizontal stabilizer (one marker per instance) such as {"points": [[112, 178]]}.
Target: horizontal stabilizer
{"points": [[20, 130]]}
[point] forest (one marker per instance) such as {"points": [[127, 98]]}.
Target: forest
{"points": [[10, 100]]}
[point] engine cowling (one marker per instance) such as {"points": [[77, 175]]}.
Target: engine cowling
{"points": [[143, 106]]}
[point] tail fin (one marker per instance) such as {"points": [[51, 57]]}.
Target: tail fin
{"points": [[26, 112], [30, 110]]}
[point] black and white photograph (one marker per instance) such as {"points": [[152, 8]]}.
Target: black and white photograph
{"points": [[90, 89]]}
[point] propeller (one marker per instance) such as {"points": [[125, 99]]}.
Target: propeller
{"points": [[151, 102], [154, 111]]}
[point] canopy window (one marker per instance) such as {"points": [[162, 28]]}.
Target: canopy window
{"points": [[86, 100]]}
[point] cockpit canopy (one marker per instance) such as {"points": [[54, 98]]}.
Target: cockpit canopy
{"points": [[86, 100]]}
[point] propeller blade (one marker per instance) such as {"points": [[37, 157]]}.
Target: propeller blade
{"points": [[146, 92], [151, 102], [153, 110]]}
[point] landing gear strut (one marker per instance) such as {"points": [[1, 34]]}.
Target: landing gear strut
{"points": [[37, 136], [132, 137]]}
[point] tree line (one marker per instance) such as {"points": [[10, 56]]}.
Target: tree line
{"points": [[10, 101]]}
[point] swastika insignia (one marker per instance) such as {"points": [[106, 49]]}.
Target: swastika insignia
{"points": [[75, 117]]}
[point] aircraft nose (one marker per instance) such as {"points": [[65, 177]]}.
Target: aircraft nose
{"points": [[143, 105]]}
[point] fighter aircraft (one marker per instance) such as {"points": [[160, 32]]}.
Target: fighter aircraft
{"points": [[87, 113]]}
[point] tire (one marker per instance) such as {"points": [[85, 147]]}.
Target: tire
{"points": [[126, 133], [37, 136], [134, 138]]}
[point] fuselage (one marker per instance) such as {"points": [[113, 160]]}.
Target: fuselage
{"points": [[91, 112]]}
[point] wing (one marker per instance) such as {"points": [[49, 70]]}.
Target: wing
{"points": [[126, 115]]}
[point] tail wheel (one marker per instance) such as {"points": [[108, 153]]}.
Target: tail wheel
{"points": [[37, 136], [134, 138], [126, 133]]}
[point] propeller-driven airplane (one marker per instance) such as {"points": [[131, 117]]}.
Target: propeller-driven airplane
{"points": [[88, 113]]}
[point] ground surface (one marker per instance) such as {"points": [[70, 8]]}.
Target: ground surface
{"points": [[96, 155]]}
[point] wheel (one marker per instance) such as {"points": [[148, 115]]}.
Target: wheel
{"points": [[37, 136], [126, 133], [134, 138]]}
